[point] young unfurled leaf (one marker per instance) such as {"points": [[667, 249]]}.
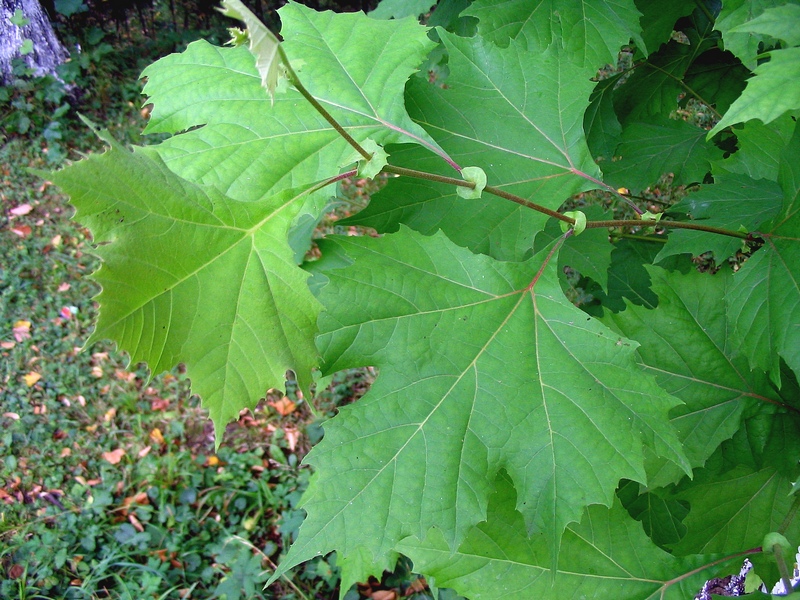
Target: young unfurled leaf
{"points": [[263, 44], [368, 168]]}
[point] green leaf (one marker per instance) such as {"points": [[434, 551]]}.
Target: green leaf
{"points": [[658, 146], [736, 14], [235, 140], [263, 44], [716, 78], [529, 138], [661, 517], [627, 277], [655, 85], [765, 304], [600, 122], [778, 22], [445, 415], [685, 343], [589, 253], [589, 31], [607, 555], [734, 202], [192, 276], [18, 18], [659, 19], [398, 9], [771, 93], [760, 148]]}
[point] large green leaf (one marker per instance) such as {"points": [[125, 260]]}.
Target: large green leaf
{"points": [[192, 276], [607, 555], [717, 389], [659, 18], [518, 116], [658, 146], [600, 121], [733, 202], [772, 92], [765, 303], [591, 31], [237, 141], [567, 418], [744, 493]]}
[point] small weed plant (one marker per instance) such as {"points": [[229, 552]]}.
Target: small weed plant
{"points": [[631, 443]]}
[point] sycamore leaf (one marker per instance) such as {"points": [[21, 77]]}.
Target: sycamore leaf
{"points": [[590, 31], [627, 277], [235, 140], [516, 115], [607, 555], [191, 276], [759, 148], [588, 253], [717, 78], [736, 14], [659, 18], [779, 22], [263, 44], [661, 517], [658, 146], [765, 303], [733, 202], [600, 121], [772, 91], [567, 418], [716, 389], [655, 85], [397, 9]]}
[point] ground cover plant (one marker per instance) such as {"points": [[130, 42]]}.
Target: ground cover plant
{"points": [[513, 443]]}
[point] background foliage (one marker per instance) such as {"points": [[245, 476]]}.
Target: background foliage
{"points": [[629, 443]]}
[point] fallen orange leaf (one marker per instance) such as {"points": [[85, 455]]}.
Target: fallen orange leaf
{"points": [[22, 209], [31, 378], [114, 456], [156, 436], [284, 406], [22, 231]]}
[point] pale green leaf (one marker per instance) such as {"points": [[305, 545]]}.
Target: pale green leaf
{"points": [[734, 202], [607, 555], [772, 92], [779, 22], [591, 31], [236, 141], [192, 276], [737, 13], [765, 303], [658, 146], [685, 343], [398, 9], [567, 418], [759, 148], [263, 44]]}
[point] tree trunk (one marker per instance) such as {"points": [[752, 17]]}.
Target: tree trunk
{"points": [[48, 52]]}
